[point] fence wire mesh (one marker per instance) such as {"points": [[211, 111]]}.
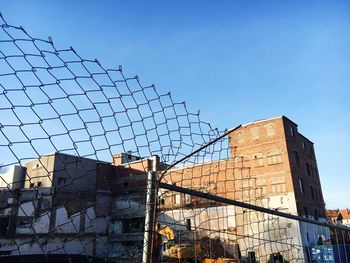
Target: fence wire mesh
{"points": [[78, 142]]}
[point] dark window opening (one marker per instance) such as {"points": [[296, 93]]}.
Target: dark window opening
{"points": [[188, 224], [308, 169], [303, 145], [312, 192], [297, 160], [301, 185], [4, 222], [132, 225]]}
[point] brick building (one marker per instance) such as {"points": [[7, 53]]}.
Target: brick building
{"points": [[271, 165], [283, 161]]}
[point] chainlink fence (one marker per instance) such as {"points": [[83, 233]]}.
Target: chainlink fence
{"points": [[97, 167]]}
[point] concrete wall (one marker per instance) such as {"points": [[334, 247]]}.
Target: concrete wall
{"points": [[84, 231], [13, 178], [40, 172], [74, 173], [62, 171], [266, 234]]}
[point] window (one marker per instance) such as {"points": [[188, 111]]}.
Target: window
{"points": [[270, 129], [177, 199], [31, 185], [24, 222], [278, 188], [291, 130], [301, 186], [133, 225], [188, 224], [312, 171], [255, 132], [39, 184], [274, 157], [308, 169], [296, 156], [303, 145], [187, 199], [240, 136], [312, 192]]}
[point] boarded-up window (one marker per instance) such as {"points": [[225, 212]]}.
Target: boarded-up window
{"points": [[270, 129], [255, 133], [274, 157], [278, 188], [296, 156], [240, 137]]}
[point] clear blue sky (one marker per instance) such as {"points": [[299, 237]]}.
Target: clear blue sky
{"points": [[235, 61]]}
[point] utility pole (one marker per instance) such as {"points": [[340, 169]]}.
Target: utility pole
{"points": [[150, 212]]}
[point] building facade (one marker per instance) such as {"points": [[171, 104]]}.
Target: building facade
{"points": [[270, 165], [65, 204], [284, 164]]}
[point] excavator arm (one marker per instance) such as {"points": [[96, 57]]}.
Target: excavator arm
{"points": [[168, 232]]}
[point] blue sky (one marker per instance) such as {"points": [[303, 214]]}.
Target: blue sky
{"points": [[235, 61]]}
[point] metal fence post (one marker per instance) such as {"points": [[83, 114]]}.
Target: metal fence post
{"points": [[149, 217]]}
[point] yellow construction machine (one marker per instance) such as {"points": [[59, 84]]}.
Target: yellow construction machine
{"points": [[173, 251]]}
